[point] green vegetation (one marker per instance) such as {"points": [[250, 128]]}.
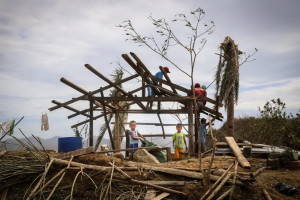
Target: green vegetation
{"points": [[274, 126]]}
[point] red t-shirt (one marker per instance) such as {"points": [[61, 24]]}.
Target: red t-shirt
{"points": [[202, 92]]}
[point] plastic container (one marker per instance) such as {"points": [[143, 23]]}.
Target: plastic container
{"points": [[67, 144], [247, 151]]}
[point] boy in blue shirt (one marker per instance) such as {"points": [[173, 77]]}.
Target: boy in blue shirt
{"points": [[203, 133], [135, 136]]}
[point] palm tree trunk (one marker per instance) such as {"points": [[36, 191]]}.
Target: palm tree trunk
{"points": [[230, 115]]}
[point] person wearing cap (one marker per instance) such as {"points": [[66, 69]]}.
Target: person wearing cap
{"points": [[200, 91], [160, 75], [151, 92]]}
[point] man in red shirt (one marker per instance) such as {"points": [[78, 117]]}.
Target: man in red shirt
{"points": [[200, 91]]}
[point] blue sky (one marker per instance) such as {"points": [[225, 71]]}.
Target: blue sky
{"points": [[42, 41]]}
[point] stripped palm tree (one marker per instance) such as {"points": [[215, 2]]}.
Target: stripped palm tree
{"points": [[121, 117], [227, 79]]}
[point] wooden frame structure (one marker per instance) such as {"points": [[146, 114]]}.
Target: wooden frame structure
{"points": [[165, 90]]}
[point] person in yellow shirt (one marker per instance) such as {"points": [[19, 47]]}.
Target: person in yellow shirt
{"points": [[178, 140]]}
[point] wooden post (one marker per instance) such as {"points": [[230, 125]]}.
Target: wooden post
{"points": [[117, 134], [143, 87], [169, 156], [191, 127], [91, 124], [127, 143]]}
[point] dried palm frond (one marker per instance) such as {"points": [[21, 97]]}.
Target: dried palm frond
{"points": [[227, 74]]}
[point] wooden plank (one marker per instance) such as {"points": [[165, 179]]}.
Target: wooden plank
{"points": [[237, 152], [86, 121], [75, 153], [161, 196]]}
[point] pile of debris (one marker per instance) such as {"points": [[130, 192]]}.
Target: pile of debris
{"points": [[85, 174]]}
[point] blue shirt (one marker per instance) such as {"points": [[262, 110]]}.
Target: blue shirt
{"points": [[135, 134], [203, 133], [159, 75]]}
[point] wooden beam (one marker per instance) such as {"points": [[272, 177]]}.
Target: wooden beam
{"points": [[81, 112], [152, 124], [237, 152], [88, 66], [86, 121], [107, 123], [162, 126], [92, 93], [91, 131], [79, 89], [69, 108]]}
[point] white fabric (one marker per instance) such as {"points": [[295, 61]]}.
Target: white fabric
{"points": [[45, 123]]}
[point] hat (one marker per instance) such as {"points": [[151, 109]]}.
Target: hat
{"points": [[197, 84], [166, 69]]}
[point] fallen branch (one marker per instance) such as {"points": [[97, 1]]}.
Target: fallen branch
{"points": [[266, 194], [219, 187]]}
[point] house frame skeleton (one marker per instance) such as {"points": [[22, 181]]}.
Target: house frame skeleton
{"points": [[108, 105]]}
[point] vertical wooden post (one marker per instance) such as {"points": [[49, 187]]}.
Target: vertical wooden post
{"points": [[169, 156], [91, 124], [196, 128], [117, 132], [144, 88], [127, 143], [191, 127]]}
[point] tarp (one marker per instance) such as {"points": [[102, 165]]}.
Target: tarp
{"points": [[159, 154]]}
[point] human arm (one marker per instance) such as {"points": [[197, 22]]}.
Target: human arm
{"points": [[133, 137], [141, 135], [185, 143]]}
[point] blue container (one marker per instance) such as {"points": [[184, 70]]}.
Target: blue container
{"points": [[67, 144]]}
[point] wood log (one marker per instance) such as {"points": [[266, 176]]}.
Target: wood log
{"points": [[178, 172], [266, 194], [75, 153], [257, 172], [147, 184], [237, 152], [77, 164]]}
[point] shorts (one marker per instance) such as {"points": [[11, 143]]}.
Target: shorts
{"points": [[135, 145]]}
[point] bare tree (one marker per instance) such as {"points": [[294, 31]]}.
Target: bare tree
{"points": [[168, 37]]}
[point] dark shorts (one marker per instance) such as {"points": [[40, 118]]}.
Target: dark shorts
{"points": [[135, 145]]}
